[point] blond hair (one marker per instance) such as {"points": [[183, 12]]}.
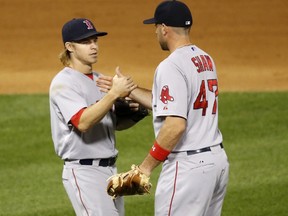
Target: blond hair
{"points": [[64, 57]]}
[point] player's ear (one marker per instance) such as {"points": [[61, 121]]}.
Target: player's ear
{"points": [[69, 46], [164, 29]]}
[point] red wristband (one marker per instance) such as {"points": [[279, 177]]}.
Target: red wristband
{"points": [[158, 152]]}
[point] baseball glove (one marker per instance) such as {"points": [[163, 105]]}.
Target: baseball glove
{"points": [[133, 182], [122, 109]]}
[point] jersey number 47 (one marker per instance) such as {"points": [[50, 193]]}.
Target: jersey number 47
{"points": [[201, 101]]}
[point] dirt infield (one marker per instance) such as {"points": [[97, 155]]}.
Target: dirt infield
{"points": [[248, 40]]}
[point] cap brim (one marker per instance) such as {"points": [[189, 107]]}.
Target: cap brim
{"points": [[90, 34], [149, 21], [101, 34]]}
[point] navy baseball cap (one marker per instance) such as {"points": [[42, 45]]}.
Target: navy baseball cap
{"points": [[79, 29], [171, 13]]}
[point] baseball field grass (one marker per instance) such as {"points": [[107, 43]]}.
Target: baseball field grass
{"points": [[255, 130]]}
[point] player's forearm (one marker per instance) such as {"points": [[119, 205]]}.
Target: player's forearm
{"points": [[142, 96], [166, 141], [94, 114], [171, 132]]}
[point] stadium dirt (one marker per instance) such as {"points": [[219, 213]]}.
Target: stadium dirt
{"points": [[247, 39]]}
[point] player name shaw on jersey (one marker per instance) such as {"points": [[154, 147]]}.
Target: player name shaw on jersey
{"points": [[202, 63]]}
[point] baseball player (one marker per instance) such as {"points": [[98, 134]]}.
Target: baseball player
{"points": [[83, 122], [185, 93]]}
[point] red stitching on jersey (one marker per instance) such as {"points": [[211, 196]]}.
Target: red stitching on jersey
{"points": [[174, 189], [79, 192]]}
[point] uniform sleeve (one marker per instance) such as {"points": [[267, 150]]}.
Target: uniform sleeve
{"points": [[67, 99], [171, 91]]}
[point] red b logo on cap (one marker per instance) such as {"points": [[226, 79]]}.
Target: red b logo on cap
{"points": [[88, 24]]}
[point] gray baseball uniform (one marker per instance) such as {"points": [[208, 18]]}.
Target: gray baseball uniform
{"points": [[194, 177], [70, 91]]}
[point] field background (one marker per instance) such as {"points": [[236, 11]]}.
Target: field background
{"points": [[248, 41], [255, 138]]}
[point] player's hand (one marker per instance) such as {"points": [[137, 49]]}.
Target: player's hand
{"points": [[104, 83], [119, 74], [132, 104], [122, 85]]}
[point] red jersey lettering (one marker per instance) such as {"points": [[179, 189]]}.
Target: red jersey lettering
{"points": [[202, 63]]}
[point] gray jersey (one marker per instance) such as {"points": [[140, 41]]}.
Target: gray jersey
{"points": [[70, 91], [185, 85]]}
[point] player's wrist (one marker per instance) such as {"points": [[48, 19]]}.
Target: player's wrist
{"points": [[143, 170], [113, 94], [158, 152], [133, 92]]}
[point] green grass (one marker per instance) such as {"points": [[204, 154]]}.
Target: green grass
{"points": [[255, 130]]}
